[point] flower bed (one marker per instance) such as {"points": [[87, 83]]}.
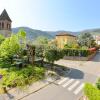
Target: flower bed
{"points": [[21, 78]]}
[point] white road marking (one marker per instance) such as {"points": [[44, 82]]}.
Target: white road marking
{"points": [[63, 80], [66, 84], [79, 89], [73, 85]]}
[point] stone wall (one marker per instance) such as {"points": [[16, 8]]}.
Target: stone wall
{"points": [[6, 26], [6, 33], [76, 58]]}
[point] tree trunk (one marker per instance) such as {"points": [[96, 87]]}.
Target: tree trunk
{"points": [[42, 61], [52, 65]]}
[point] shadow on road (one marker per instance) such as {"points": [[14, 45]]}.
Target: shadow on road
{"points": [[64, 70], [76, 74]]}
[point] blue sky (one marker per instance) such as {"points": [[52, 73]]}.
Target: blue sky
{"points": [[52, 15]]}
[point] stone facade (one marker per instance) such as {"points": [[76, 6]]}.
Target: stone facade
{"points": [[6, 33], [5, 24]]}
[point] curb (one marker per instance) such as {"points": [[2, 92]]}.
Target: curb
{"points": [[47, 84], [34, 91]]}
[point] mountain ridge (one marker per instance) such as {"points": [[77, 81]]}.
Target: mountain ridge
{"points": [[32, 34]]}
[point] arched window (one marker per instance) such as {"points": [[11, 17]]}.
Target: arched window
{"points": [[2, 25], [9, 26]]}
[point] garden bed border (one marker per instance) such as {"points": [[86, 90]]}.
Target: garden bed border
{"points": [[76, 58]]}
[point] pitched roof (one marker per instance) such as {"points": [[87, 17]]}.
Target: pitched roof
{"points": [[65, 34], [4, 16]]}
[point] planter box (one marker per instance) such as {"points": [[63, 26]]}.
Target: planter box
{"points": [[76, 58]]}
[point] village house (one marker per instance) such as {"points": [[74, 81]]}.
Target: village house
{"points": [[64, 38]]}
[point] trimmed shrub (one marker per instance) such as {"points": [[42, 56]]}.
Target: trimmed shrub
{"points": [[91, 92], [76, 52], [52, 55], [98, 84]]}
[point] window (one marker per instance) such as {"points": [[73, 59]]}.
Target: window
{"points": [[8, 26], [2, 25]]}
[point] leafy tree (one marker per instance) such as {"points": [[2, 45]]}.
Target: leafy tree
{"points": [[22, 37], [52, 43], [98, 84], [41, 40], [22, 40], [53, 54], [40, 52], [31, 53], [91, 92], [9, 47], [86, 39], [41, 44], [2, 38], [71, 45]]}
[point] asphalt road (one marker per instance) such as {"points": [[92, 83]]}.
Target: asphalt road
{"points": [[67, 88], [71, 86]]}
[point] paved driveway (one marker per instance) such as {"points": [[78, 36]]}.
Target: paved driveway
{"points": [[92, 67], [67, 88], [70, 87]]}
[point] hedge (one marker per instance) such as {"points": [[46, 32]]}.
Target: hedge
{"points": [[76, 52], [98, 83], [91, 92]]}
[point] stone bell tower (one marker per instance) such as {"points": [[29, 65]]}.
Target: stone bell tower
{"points": [[5, 24]]}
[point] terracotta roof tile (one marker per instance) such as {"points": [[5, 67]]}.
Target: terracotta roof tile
{"points": [[65, 34]]}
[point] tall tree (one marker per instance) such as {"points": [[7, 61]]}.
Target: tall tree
{"points": [[2, 38], [9, 47], [41, 40], [86, 39], [53, 54]]}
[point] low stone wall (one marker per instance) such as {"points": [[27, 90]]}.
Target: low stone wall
{"points": [[92, 56], [76, 58]]}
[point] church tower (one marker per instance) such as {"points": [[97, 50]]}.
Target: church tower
{"points": [[5, 24]]}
